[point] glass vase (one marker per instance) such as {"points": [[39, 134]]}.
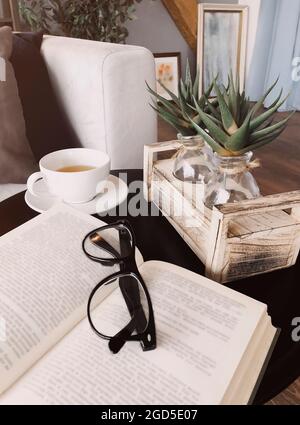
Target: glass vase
{"points": [[232, 180], [194, 160]]}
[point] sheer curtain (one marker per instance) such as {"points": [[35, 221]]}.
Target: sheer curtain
{"points": [[277, 52]]}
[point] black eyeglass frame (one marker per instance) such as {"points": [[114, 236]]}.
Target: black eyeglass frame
{"points": [[128, 268]]}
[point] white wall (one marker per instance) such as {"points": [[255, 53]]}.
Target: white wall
{"points": [[155, 29], [257, 63], [253, 46], [254, 10]]}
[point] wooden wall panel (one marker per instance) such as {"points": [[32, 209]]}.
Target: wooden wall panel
{"points": [[184, 14]]}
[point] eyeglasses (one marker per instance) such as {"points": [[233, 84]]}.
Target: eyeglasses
{"points": [[115, 245]]}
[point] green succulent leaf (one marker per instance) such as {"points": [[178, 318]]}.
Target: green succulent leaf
{"points": [[257, 122], [216, 121], [183, 90], [171, 94], [214, 102], [181, 122], [172, 122], [276, 100], [196, 85], [227, 118], [266, 124], [261, 143], [245, 110], [237, 116], [238, 82], [180, 108], [193, 108], [188, 78], [197, 119], [215, 131], [171, 106], [261, 101], [240, 138], [270, 137], [185, 110], [232, 95], [209, 140], [209, 90], [270, 129], [213, 111]]}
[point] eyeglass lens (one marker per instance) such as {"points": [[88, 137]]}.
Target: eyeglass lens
{"points": [[112, 243], [128, 301]]}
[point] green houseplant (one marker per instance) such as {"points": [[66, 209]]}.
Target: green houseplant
{"points": [[193, 160], [101, 20], [234, 128]]}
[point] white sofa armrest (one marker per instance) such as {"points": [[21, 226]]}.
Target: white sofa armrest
{"points": [[102, 89]]}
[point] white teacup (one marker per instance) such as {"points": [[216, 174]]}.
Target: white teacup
{"points": [[74, 187]]}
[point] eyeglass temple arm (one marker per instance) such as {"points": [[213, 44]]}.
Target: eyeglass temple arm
{"points": [[129, 290], [118, 341], [131, 293]]}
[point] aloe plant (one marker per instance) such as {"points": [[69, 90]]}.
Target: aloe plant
{"points": [[179, 111], [234, 126]]}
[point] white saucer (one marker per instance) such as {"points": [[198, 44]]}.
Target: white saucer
{"points": [[114, 193]]}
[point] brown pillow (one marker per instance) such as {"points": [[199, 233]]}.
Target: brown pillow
{"points": [[16, 158]]}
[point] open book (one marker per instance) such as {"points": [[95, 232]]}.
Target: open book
{"points": [[212, 341]]}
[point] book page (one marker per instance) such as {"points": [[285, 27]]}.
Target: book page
{"points": [[252, 366], [203, 330], [45, 282]]}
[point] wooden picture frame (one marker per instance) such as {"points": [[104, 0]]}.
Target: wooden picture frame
{"points": [[214, 19], [168, 65]]}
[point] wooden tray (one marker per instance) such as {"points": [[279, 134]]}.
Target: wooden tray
{"points": [[234, 241]]}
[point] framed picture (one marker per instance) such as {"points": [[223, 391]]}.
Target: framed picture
{"points": [[222, 42], [168, 67]]}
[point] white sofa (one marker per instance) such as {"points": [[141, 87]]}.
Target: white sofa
{"points": [[102, 89]]}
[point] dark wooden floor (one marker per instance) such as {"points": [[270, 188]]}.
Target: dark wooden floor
{"points": [[280, 172]]}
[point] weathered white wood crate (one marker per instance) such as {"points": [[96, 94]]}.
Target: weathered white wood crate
{"points": [[234, 241]]}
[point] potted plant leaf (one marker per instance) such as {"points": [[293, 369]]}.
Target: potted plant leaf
{"points": [[100, 20], [193, 161], [234, 129]]}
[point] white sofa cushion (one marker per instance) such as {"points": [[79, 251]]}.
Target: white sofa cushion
{"points": [[102, 89], [8, 190]]}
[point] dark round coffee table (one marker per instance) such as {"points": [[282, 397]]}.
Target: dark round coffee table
{"points": [[157, 240]]}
